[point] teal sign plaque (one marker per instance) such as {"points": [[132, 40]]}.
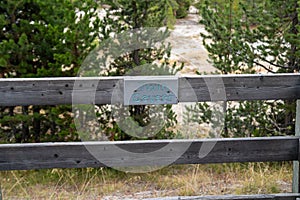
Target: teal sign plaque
{"points": [[150, 90]]}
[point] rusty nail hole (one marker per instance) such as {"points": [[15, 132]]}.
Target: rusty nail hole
{"points": [[60, 92], [12, 88], [67, 85], [78, 161], [55, 155]]}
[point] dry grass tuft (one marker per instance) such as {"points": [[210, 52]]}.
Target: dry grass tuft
{"points": [[103, 183]]}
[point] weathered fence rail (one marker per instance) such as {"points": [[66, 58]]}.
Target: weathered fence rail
{"points": [[56, 91], [77, 155]]}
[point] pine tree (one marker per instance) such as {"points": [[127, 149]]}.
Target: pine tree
{"points": [[42, 38], [250, 37]]}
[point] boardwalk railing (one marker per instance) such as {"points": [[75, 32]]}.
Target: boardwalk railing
{"points": [[57, 91]]}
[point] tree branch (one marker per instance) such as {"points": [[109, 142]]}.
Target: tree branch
{"points": [[271, 63], [261, 65]]}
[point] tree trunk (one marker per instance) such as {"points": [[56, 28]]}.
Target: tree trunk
{"points": [[13, 125], [25, 127], [36, 124]]}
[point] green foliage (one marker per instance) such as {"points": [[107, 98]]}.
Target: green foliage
{"points": [[172, 6], [52, 124], [41, 38], [250, 37], [247, 118], [183, 7]]}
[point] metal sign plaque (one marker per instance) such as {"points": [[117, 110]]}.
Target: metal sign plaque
{"points": [[150, 90]]}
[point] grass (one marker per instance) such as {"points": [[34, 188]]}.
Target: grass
{"points": [[104, 183]]}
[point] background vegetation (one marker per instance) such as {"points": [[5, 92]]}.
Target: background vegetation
{"points": [[43, 39], [252, 37], [52, 38]]}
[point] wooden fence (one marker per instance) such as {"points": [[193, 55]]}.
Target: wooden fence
{"points": [[57, 91]]}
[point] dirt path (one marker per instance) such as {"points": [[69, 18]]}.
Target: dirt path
{"points": [[187, 45]]}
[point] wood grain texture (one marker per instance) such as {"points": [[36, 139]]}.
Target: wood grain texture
{"points": [[77, 154], [235, 197], [243, 87], [55, 91]]}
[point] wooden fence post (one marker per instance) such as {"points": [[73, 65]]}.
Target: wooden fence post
{"points": [[0, 193], [296, 163]]}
